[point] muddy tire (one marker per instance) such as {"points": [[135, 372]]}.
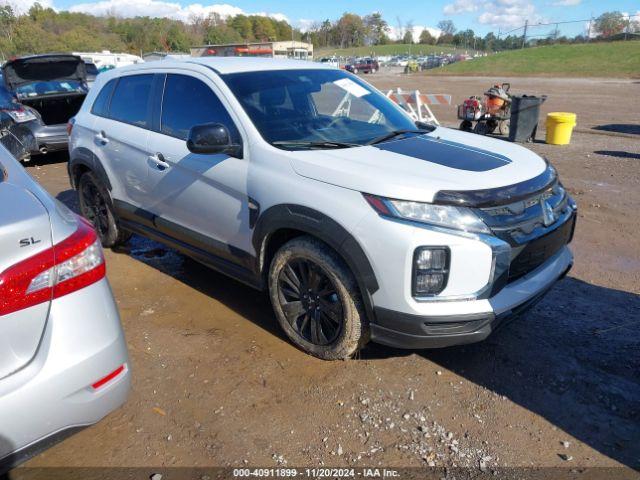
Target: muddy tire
{"points": [[96, 206], [481, 128], [316, 300]]}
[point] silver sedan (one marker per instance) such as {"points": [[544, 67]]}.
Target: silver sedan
{"points": [[63, 356]]}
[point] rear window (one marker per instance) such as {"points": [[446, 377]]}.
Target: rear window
{"points": [[101, 104], [130, 100], [91, 69], [51, 87]]}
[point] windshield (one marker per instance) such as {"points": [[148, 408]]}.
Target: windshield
{"points": [[51, 87], [295, 108]]}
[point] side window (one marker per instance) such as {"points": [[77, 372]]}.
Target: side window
{"points": [[130, 101], [101, 104], [188, 101]]}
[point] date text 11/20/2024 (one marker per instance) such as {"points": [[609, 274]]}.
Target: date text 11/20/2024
{"points": [[316, 472]]}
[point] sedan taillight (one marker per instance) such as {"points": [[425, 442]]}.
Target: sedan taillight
{"points": [[70, 126], [20, 115], [68, 266]]}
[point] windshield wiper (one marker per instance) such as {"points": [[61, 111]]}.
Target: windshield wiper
{"points": [[393, 134], [309, 144]]}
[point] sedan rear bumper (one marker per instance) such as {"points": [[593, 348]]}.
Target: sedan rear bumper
{"points": [[50, 138], [83, 342]]}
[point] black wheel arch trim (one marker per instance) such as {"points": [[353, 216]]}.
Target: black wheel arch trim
{"points": [[86, 158], [321, 226]]}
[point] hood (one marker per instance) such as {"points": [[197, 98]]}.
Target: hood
{"points": [[43, 68], [418, 167]]}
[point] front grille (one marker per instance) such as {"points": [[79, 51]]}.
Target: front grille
{"points": [[538, 251], [533, 229], [521, 222]]}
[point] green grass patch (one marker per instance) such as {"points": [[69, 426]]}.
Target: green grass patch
{"points": [[392, 49], [614, 59]]}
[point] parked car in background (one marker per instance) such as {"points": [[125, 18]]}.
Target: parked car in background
{"points": [[305, 181], [331, 61], [50, 87], [63, 357], [15, 134], [363, 65], [92, 73]]}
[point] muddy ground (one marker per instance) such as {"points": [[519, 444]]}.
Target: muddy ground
{"points": [[215, 383]]}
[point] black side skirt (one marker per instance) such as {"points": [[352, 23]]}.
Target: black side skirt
{"points": [[219, 256]]}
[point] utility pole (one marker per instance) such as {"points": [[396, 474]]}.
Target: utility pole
{"points": [[524, 35]]}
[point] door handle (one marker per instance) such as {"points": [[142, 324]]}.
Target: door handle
{"points": [[101, 138], [159, 161]]}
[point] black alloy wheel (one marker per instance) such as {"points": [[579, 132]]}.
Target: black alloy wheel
{"points": [[94, 207], [310, 301]]}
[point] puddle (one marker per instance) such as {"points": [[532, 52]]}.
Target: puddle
{"points": [[156, 254]]}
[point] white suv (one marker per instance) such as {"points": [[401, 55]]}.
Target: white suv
{"points": [[303, 180]]}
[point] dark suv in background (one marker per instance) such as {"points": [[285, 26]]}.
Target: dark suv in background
{"points": [[363, 65]]}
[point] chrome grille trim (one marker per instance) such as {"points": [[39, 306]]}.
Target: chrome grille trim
{"points": [[522, 221]]}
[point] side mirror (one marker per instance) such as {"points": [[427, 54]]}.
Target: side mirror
{"points": [[427, 127], [211, 138]]}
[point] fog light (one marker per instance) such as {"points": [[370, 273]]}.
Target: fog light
{"points": [[430, 270], [431, 259]]}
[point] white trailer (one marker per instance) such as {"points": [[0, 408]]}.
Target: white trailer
{"points": [[107, 59]]}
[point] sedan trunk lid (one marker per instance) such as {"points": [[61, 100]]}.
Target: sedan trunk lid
{"points": [[25, 230], [43, 68]]}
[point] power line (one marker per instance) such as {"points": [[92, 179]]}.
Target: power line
{"points": [[541, 24]]}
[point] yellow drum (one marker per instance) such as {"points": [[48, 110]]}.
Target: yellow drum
{"points": [[559, 127]]}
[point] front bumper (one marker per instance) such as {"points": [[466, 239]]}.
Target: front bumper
{"points": [[82, 342], [402, 330]]}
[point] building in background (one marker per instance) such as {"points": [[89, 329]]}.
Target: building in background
{"points": [[287, 49]]}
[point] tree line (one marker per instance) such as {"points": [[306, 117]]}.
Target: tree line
{"points": [[352, 30], [43, 29]]}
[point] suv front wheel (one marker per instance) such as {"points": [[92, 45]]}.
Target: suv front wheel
{"points": [[96, 206], [316, 300]]}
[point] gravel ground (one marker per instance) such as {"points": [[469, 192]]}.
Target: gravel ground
{"points": [[215, 383]]}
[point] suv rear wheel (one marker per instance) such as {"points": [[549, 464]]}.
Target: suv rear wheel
{"points": [[96, 206], [316, 300]]}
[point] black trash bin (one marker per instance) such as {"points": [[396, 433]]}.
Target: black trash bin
{"points": [[525, 111]]}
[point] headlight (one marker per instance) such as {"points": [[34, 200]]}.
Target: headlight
{"points": [[447, 216]]}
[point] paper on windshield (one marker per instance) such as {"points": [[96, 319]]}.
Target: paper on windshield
{"points": [[352, 87]]}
